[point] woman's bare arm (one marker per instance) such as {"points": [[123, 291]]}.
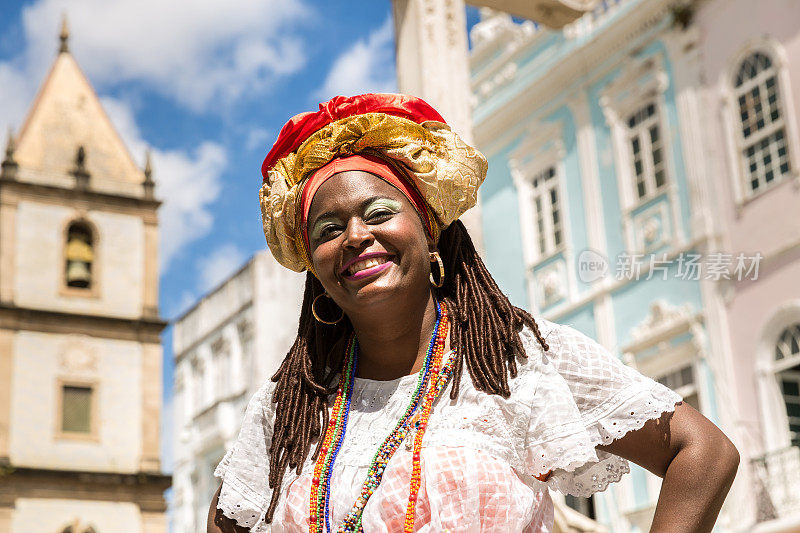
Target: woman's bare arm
{"points": [[695, 459], [218, 522]]}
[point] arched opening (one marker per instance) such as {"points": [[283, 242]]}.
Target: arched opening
{"points": [[787, 366], [79, 256], [77, 528]]}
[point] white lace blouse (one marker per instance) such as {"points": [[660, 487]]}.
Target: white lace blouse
{"points": [[481, 453]]}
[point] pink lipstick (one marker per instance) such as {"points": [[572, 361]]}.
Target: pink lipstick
{"points": [[370, 271]]}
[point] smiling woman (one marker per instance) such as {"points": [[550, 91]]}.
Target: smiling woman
{"points": [[371, 424]]}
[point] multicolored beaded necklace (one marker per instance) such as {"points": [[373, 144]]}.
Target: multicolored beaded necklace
{"points": [[433, 374]]}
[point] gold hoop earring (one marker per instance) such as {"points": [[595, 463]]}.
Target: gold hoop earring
{"points": [[435, 257], [314, 311]]}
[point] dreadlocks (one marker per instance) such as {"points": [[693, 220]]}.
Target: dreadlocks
{"points": [[485, 327]]}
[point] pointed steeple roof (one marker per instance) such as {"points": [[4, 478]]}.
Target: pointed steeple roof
{"points": [[66, 115]]}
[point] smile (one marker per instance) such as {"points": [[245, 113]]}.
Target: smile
{"points": [[367, 265]]}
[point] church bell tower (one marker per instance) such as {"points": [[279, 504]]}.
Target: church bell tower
{"points": [[80, 346]]}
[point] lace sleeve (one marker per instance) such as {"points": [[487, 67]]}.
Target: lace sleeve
{"points": [[586, 397], [244, 470]]}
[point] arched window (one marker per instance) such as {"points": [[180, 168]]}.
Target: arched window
{"points": [[787, 362], [763, 142], [79, 256]]}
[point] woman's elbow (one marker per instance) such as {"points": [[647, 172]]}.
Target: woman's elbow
{"points": [[721, 454], [730, 459]]}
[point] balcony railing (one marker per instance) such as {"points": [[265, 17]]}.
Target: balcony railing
{"points": [[777, 484]]}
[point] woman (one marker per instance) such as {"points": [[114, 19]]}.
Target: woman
{"points": [[371, 422]]}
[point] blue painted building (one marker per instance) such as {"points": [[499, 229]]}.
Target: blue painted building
{"points": [[591, 214]]}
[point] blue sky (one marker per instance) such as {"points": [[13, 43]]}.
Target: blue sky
{"points": [[205, 85]]}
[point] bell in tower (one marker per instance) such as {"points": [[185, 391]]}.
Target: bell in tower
{"points": [[79, 257]]}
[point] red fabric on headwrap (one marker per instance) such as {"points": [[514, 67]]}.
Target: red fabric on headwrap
{"points": [[302, 126], [368, 163]]}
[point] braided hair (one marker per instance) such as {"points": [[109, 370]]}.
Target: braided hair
{"points": [[485, 327]]}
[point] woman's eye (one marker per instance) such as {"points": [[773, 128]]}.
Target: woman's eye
{"points": [[379, 213], [328, 231]]}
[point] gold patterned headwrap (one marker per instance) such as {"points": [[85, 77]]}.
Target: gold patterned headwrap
{"points": [[403, 130]]}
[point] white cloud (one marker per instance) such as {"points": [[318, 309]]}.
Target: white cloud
{"points": [[219, 265], [187, 182], [200, 53], [258, 139], [367, 66]]}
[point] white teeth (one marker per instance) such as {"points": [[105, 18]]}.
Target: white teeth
{"points": [[365, 264]]}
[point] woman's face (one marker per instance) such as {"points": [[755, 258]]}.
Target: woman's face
{"points": [[367, 241]]}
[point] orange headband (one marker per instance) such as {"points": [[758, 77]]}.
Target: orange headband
{"points": [[373, 165]]}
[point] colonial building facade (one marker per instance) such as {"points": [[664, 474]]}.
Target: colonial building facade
{"points": [[746, 107], [226, 347], [643, 183], [80, 346]]}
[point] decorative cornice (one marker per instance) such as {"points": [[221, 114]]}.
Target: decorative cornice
{"points": [[497, 128], [552, 13], [542, 146], [147, 330], [145, 489], [640, 79], [662, 317], [211, 333], [13, 189], [497, 30]]}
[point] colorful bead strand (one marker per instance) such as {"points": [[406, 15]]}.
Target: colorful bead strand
{"points": [[340, 438], [427, 407], [352, 521], [335, 427], [432, 379]]}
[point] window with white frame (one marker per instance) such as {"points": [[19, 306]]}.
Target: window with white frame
{"points": [[683, 382], [198, 384], [787, 366], [763, 134], [245, 331], [646, 150], [222, 367], [547, 212]]}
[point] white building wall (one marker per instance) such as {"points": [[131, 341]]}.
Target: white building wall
{"points": [[225, 348], [113, 366], [53, 515], [276, 314]]}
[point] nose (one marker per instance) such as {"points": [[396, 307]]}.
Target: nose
{"points": [[357, 234]]}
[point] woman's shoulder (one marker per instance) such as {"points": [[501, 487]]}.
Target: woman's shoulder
{"points": [[566, 345], [571, 357], [262, 397], [535, 352], [548, 331]]}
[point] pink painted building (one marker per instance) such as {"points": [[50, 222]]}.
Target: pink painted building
{"points": [[747, 61]]}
